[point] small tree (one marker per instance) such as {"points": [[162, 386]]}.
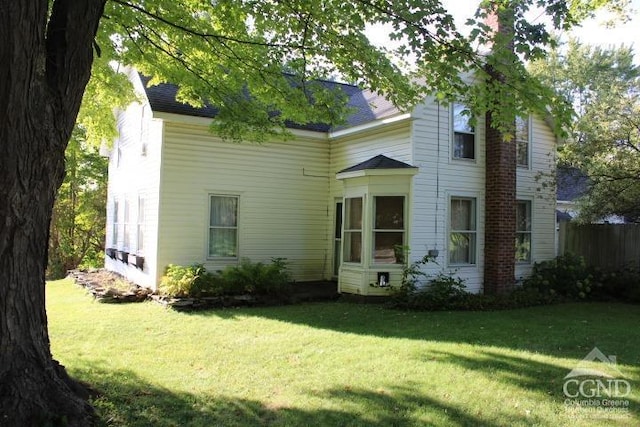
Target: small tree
{"points": [[77, 226], [603, 86]]}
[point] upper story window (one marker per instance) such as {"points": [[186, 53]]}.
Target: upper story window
{"points": [[144, 130], [352, 230], [522, 140], [464, 136], [462, 232], [223, 226], [523, 231], [388, 229]]}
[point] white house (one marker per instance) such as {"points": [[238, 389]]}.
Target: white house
{"points": [[333, 202]]}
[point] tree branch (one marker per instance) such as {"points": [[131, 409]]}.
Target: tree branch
{"points": [[203, 34]]}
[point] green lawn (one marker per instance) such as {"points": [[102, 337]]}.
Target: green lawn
{"points": [[338, 364]]}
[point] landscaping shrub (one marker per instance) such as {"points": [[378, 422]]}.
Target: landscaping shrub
{"points": [[440, 292], [256, 278], [190, 281], [447, 292], [622, 285], [566, 275], [244, 278]]}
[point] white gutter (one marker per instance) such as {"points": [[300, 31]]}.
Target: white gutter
{"points": [[369, 126]]}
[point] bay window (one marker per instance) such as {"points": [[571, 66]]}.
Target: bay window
{"points": [[353, 230], [388, 229]]}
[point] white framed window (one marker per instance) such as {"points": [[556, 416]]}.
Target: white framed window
{"points": [[118, 155], [223, 226], [140, 225], [126, 227], [144, 131], [388, 229], [337, 238], [115, 224], [464, 134], [352, 237], [462, 231], [522, 138], [523, 231]]}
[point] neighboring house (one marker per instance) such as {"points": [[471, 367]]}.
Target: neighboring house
{"points": [[572, 184], [336, 203]]}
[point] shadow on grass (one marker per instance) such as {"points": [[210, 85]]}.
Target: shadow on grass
{"points": [[126, 399], [544, 378], [564, 330]]}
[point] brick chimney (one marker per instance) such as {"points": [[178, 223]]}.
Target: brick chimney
{"points": [[500, 169]]}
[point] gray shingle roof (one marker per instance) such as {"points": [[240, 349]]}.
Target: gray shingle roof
{"points": [[367, 106], [378, 162]]}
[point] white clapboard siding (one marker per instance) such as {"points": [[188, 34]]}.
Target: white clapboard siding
{"points": [[287, 190], [393, 141], [442, 177], [283, 190], [537, 184], [134, 172]]}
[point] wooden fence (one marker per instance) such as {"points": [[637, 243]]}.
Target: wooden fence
{"points": [[608, 246]]}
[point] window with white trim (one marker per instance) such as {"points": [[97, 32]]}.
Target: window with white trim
{"points": [[523, 231], [126, 234], [388, 229], [140, 225], [115, 225], [352, 237], [522, 141], [462, 231], [223, 226], [464, 137]]}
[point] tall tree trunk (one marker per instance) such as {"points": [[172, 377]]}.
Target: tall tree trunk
{"points": [[44, 68]]}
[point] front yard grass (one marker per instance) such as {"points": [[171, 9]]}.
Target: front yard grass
{"points": [[338, 364]]}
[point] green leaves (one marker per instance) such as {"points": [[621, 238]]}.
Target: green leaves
{"points": [[232, 54], [603, 86], [77, 225]]}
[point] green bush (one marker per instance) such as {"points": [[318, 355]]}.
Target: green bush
{"points": [[566, 275], [622, 285], [245, 278], [256, 278], [440, 293], [190, 281], [447, 292]]}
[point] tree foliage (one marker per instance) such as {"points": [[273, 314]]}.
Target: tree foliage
{"points": [[77, 226], [603, 86], [229, 53]]}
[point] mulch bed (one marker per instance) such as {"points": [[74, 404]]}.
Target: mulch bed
{"points": [[109, 287]]}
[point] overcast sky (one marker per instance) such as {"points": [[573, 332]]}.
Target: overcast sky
{"points": [[592, 32]]}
